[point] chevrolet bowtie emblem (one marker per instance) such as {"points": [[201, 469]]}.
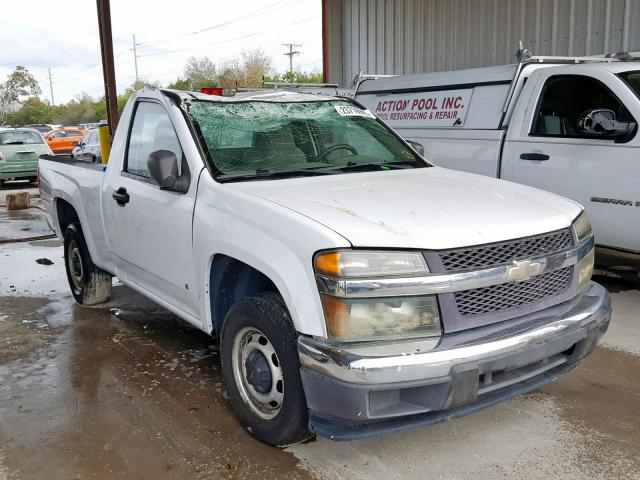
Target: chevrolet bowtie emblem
{"points": [[522, 270]]}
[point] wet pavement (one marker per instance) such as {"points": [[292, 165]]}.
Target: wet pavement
{"points": [[28, 224], [127, 390]]}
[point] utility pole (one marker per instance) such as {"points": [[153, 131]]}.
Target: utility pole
{"points": [[135, 56], [51, 88], [108, 68], [291, 53]]}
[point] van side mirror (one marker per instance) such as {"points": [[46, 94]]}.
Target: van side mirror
{"points": [[418, 147], [602, 121], [163, 169]]}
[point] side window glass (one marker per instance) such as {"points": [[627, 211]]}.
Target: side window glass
{"points": [[151, 131], [576, 106]]}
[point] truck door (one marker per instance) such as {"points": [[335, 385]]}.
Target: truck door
{"points": [[556, 142], [150, 230]]}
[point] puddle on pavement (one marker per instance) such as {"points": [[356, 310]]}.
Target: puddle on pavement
{"points": [[17, 224], [20, 274], [124, 390]]}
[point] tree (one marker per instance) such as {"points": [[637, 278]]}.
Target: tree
{"points": [[198, 72], [78, 110], [18, 84], [180, 84], [298, 76], [247, 71], [33, 110]]}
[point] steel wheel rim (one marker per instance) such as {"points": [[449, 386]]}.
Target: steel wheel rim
{"points": [[249, 344], [76, 268]]}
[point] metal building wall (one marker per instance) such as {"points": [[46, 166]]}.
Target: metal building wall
{"points": [[412, 36]]}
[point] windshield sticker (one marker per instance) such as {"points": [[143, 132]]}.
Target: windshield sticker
{"points": [[352, 111]]}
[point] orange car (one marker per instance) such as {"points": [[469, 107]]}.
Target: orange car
{"points": [[61, 140]]}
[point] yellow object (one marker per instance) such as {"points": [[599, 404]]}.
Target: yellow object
{"points": [[105, 144], [328, 263]]}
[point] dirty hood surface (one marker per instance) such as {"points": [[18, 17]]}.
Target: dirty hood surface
{"points": [[430, 208]]}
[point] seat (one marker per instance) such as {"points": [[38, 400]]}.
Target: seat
{"points": [[274, 149]]}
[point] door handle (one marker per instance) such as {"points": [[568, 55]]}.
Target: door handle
{"points": [[121, 196], [534, 156]]}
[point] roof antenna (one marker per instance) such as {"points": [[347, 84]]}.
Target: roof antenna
{"points": [[522, 54]]}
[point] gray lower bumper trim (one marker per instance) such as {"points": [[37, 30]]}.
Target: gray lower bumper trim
{"points": [[341, 430], [350, 393]]}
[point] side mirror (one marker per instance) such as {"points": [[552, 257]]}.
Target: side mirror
{"points": [[163, 169], [418, 147], [602, 121]]}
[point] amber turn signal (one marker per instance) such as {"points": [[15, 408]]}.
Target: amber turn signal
{"points": [[328, 263]]}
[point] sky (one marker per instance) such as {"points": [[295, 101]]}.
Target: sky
{"points": [[65, 38]]}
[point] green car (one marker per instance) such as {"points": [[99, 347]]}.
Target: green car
{"points": [[20, 149]]}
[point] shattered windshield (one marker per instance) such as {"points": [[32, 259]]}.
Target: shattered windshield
{"points": [[269, 139]]}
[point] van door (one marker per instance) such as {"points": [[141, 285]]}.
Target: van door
{"points": [[577, 136], [150, 230]]}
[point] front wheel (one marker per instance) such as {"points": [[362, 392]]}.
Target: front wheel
{"points": [[261, 370], [89, 284]]}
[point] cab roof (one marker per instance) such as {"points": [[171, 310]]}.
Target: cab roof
{"points": [[258, 95]]}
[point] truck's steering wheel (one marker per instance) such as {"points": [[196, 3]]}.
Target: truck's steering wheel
{"points": [[333, 148]]}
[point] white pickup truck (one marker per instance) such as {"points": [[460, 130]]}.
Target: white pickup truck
{"points": [[565, 125], [354, 288]]}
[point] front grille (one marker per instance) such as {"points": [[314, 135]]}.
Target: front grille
{"points": [[496, 298], [489, 255]]}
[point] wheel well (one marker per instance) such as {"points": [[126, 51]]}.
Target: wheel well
{"points": [[66, 214], [230, 280]]}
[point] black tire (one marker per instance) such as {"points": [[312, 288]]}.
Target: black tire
{"points": [[267, 313], [89, 284]]}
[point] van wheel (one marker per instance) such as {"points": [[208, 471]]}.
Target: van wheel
{"points": [[261, 369], [89, 284]]}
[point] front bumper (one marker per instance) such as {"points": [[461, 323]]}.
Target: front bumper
{"points": [[359, 390]]}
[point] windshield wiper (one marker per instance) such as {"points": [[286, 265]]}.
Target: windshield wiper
{"points": [[273, 173], [14, 143], [349, 166]]}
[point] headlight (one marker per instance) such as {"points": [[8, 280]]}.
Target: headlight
{"points": [[356, 263], [1, 157], [383, 318], [581, 227], [585, 270]]}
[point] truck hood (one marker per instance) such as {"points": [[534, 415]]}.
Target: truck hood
{"points": [[427, 208]]}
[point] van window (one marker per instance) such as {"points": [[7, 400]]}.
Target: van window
{"points": [[632, 79], [151, 130], [567, 99]]}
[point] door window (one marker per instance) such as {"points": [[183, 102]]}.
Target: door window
{"points": [[151, 131], [576, 106]]}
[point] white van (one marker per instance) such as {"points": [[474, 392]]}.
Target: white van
{"points": [[566, 125]]}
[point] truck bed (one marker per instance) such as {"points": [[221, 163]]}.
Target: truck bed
{"points": [[79, 184]]}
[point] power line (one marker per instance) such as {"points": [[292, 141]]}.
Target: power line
{"points": [[269, 8], [291, 53], [218, 42]]}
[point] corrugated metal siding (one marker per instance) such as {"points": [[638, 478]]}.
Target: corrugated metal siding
{"points": [[413, 36]]}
